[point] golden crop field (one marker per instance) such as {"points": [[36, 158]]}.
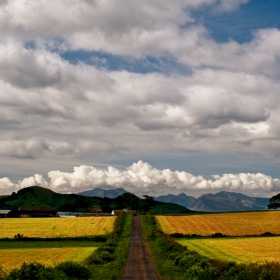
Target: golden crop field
{"points": [[234, 224], [244, 249], [56, 227], [11, 258]]}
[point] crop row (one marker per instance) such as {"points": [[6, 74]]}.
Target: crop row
{"points": [[56, 227]]}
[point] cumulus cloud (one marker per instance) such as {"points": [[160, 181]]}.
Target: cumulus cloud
{"points": [[155, 27], [7, 186], [119, 110], [36, 180], [142, 178], [225, 5], [228, 101]]}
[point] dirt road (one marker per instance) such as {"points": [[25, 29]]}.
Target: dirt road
{"points": [[139, 264]]}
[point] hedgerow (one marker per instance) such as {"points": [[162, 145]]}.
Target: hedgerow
{"points": [[108, 261], [37, 271]]}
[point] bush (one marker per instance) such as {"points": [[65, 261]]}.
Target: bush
{"points": [[74, 270], [177, 235], [118, 226], [2, 273], [100, 257], [35, 271], [267, 234], [217, 234], [108, 248]]}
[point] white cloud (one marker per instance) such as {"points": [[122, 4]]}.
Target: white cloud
{"points": [[226, 5], [85, 112], [118, 27], [142, 178], [7, 186], [36, 180], [51, 109]]}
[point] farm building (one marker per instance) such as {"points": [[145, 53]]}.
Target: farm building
{"points": [[30, 211], [117, 212], [67, 214], [128, 211], [4, 213]]}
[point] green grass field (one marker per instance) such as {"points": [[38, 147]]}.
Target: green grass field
{"points": [[13, 254], [242, 250], [56, 227]]}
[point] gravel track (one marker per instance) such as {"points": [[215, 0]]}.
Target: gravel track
{"points": [[139, 264]]}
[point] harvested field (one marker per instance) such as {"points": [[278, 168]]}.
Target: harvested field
{"points": [[56, 227], [233, 224], [242, 250], [13, 254]]}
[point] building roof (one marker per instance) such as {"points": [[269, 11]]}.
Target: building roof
{"points": [[33, 209], [117, 212], [5, 212]]}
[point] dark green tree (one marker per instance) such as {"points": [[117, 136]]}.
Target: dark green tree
{"points": [[106, 204], [147, 203], [77, 203], [127, 200], [274, 202]]}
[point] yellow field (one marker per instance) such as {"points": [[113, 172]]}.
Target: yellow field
{"points": [[11, 258], [253, 249], [234, 224], [56, 227]]}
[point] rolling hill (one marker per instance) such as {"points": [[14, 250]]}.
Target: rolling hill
{"points": [[83, 202], [39, 196], [180, 199], [98, 192]]}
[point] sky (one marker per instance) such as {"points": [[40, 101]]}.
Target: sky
{"points": [[154, 96]]}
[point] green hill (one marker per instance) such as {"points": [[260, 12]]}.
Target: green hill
{"points": [[169, 208], [38, 196]]}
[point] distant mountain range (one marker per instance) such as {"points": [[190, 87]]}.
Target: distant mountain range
{"points": [[98, 192], [180, 199], [84, 201], [220, 202]]}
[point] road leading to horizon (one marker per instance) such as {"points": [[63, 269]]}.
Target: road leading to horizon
{"points": [[139, 265]]}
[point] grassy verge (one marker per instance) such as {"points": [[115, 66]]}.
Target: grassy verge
{"points": [[181, 263], [155, 239], [108, 261]]}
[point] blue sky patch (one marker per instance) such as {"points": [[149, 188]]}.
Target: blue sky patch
{"points": [[149, 64], [239, 24]]}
